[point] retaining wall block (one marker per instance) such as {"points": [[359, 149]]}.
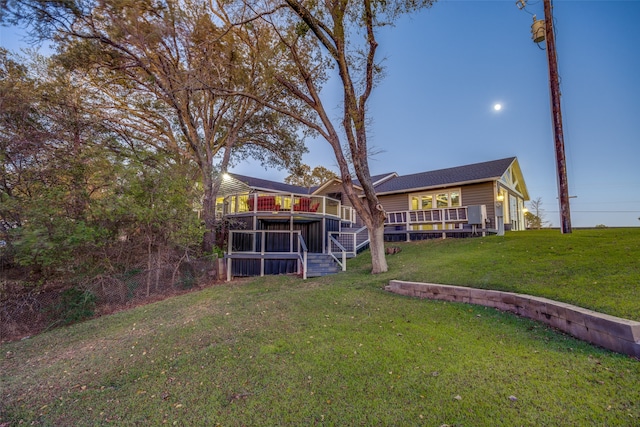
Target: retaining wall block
{"points": [[507, 298], [613, 326], [538, 305], [556, 310], [631, 348], [605, 340], [482, 294], [610, 332], [505, 307], [578, 330], [557, 322], [575, 314]]}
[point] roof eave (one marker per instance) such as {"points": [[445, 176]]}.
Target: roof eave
{"points": [[331, 182], [386, 178], [431, 187]]}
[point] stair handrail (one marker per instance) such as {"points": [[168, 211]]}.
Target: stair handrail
{"points": [[342, 263], [350, 239], [364, 241], [302, 257]]}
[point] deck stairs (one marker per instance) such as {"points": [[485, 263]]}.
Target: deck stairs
{"points": [[321, 265]]}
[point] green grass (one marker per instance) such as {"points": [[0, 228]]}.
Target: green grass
{"points": [[597, 269], [340, 350]]}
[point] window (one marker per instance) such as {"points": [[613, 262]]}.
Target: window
{"points": [[439, 200], [455, 198], [422, 202], [442, 200]]}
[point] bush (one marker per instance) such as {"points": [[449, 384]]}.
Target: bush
{"points": [[56, 245], [74, 306], [187, 276], [217, 252]]}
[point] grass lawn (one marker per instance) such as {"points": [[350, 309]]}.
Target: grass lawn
{"points": [[597, 269], [340, 350]]}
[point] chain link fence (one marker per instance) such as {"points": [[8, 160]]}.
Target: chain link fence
{"points": [[28, 309]]}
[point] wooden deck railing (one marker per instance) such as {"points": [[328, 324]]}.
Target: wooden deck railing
{"points": [[440, 218], [276, 203]]}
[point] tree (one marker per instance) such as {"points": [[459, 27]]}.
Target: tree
{"points": [[303, 176], [340, 34], [532, 221], [52, 164], [153, 64], [71, 188], [535, 215]]}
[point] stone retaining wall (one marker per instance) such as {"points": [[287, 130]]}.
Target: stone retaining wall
{"points": [[610, 332]]}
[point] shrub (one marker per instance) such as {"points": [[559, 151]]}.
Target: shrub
{"points": [[74, 306]]}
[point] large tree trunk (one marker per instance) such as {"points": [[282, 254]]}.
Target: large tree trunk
{"points": [[376, 246], [211, 190], [208, 211], [372, 215]]}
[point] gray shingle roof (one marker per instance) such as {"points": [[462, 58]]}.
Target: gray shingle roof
{"points": [[264, 184], [459, 174], [375, 178], [476, 172]]}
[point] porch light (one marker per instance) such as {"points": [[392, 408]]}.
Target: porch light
{"points": [[500, 197]]}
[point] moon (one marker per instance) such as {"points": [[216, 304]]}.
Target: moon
{"points": [[497, 107]]}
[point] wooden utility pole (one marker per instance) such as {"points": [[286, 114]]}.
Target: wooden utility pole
{"points": [[556, 115]]}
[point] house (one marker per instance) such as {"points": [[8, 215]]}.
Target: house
{"points": [[459, 198], [280, 228]]}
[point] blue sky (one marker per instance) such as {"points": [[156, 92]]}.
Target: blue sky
{"points": [[447, 66]]}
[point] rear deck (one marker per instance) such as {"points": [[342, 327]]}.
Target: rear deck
{"points": [[277, 233]]}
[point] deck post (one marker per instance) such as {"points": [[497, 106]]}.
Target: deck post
{"points": [[229, 251], [324, 234], [263, 236], [304, 265]]}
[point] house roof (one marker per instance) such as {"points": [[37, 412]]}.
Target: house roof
{"points": [[477, 172], [505, 170], [376, 179], [379, 179], [266, 185]]}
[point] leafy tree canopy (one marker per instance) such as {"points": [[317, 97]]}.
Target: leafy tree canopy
{"points": [[304, 176]]}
